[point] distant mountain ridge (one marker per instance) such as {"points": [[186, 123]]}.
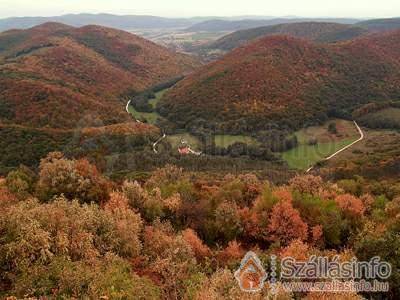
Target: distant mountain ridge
{"points": [[129, 22], [227, 25], [115, 21], [208, 23]]}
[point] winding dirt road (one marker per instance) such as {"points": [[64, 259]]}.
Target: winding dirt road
{"points": [[156, 142], [344, 148], [127, 110], [127, 106], [161, 138]]}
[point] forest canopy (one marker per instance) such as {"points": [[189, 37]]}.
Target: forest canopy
{"points": [[68, 231]]}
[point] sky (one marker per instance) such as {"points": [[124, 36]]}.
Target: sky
{"points": [[189, 8]]}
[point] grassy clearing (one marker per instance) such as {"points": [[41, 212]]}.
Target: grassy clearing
{"points": [[345, 130], [153, 102], [379, 148], [306, 155], [149, 117], [227, 140], [175, 140], [209, 36]]}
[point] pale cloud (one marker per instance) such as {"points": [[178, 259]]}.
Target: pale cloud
{"points": [[186, 8]]}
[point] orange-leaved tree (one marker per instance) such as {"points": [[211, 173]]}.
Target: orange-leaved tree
{"points": [[286, 224]]}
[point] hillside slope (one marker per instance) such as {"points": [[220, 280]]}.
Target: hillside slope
{"points": [[381, 24], [287, 82], [54, 75], [233, 25], [317, 31]]}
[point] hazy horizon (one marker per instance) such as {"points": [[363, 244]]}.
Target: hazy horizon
{"points": [[223, 8]]}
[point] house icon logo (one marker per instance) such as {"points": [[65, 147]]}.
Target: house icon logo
{"points": [[251, 274]]}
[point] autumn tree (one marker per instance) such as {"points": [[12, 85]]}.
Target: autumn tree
{"points": [[321, 215], [232, 253], [266, 200], [166, 175], [296, 249], [306, 184], [242, 189], [170, 258], [251, 224], [21, 182], [377, 240], [150, 202], [128, 225], [350, 204], [392, 208], [199, 249], [285, 224], [71, 178], [227, 221], [222, 285], [6, 197]]}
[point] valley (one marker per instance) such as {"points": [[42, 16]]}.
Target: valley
{"points": [[222, 136], [315, 143], [180, 40], [150, 117]]}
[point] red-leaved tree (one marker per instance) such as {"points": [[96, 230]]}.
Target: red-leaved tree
{"points": [[286, 224]]}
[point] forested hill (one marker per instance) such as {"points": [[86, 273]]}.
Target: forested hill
{"points": [[53, 74], [381, 24], [317, 31], [284, 81]]}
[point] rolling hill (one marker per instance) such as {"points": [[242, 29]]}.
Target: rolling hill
{"points": [[55, 75], [284, 82], [234, 25], [381, 24], [317, 31]]}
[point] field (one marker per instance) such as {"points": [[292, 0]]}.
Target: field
{"points": [[304, 156], [227, 140], [149, 117], [178, 39], [326, 143], [220, 140], [141, 116], [378, 145], [153, 102], [376, 157], [175, 140]]}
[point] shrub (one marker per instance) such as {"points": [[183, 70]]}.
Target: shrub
{"points": [[71, 178]]}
